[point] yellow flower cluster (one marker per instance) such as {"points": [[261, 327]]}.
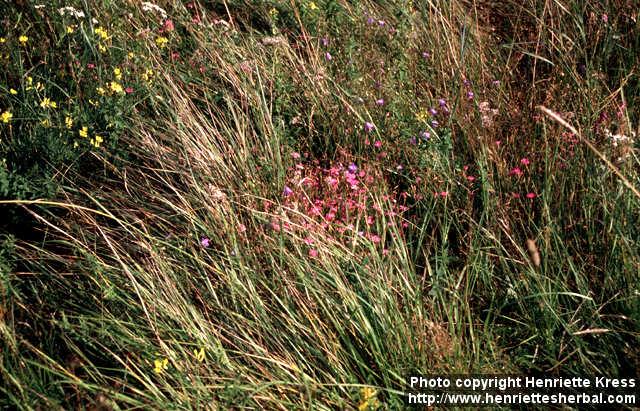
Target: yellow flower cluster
{"points": [[422, 115], [101, 32], [161, 365], [369, 400], [23, 39], [162, 41], [6, 116], [96, 141], [47, 103]]}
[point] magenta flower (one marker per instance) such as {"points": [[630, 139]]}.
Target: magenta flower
{"points": [[380, 102], [425, 135], [377, 144], [531, 195], [327, 56], [525, 161], [368, 127], [205, 242], [287, 191], [515, 172]]}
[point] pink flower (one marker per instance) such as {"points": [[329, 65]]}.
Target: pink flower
{"points": [[525, 161], [531, 195], [313, 253], [241, 228], [380, 102], [375, 238], [368, 127], [128, 90], [205, 242], [471, 178], [168, 25], [308, 241], [377, 144], [327, 56], [295, 155], [515, 172]]}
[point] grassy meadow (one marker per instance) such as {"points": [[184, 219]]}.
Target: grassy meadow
{"points": [[292, 204]]}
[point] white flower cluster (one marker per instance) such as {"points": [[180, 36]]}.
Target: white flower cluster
{"points": [[617, 139], [70, 10], [148, 6]]}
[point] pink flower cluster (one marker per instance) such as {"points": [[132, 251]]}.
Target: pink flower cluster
{"points": [[338, 200]]}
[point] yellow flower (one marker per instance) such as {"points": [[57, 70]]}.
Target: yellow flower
{"points": [[84, 132], [422, 115], [23, 39], [116, 87], [313, 6], [273, 12], [70, 29], [96, 141], [100, 90], [102, 48], [160, 365], [2, 40], [75, 144], [6, 116], [29, 80], [101, 32], [369, 400], [130, 55], [199, 354], [13, 91], [68, 122], [46, 123], [162, 41], [118, 73], [147, 75], [47, 103]]}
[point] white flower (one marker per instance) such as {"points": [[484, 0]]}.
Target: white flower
{"points": [[148, 6], [70, 10]]}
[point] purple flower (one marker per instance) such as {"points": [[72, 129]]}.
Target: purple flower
{"points": [[433, 111], [380, 102], [287, 191], [324, 41], [466, 82], [205, 242], [370, 20], [496, 82], [327, 56], [426, 55], [413, 141], [442, 102], [381, 23], [368, 127], [434, 123], [425, 135], [470, 95], [352, 168]]}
